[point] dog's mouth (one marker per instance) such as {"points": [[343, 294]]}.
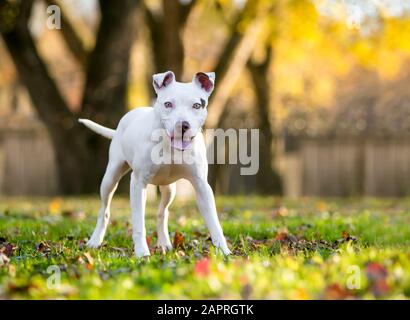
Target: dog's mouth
{"points": [[181, 143]]}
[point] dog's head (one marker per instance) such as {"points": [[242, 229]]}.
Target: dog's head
{"points": [[182, 106]]}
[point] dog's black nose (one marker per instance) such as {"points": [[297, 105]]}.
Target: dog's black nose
{"points": [[185, 126]]}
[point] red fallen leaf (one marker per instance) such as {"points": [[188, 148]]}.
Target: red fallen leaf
{"points": [[336, 292], [380, 287], [377, 274], [149, 240], [178, 240], [202, 267], [375, 271]]}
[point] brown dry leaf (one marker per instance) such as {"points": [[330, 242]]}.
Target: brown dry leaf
{"points": [[7, 248], [178, 240], [346, 237], [336, 292]]}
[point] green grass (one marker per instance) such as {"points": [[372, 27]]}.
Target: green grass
{"points": [[283, 249]]}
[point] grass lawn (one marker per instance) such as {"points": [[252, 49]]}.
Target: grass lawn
{"points": [[283, 249]]}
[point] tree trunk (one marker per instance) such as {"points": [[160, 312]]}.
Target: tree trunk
{"points": [[166, 36], [81, 154], [268, 181]]}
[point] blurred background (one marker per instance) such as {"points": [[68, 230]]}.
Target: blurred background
{"points": [[327, 83]]}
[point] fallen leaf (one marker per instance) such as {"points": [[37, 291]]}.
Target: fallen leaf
{"points": [[202, 267], [178, 240], [375, 271], [89, 258], [347, 237], [377, 276], [149, 240], [7, 248], [380, 287], [43, 247], [336, 292], [54, 206]]}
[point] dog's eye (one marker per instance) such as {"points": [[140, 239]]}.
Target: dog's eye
{"points": [[168, 104], [197, 105]]}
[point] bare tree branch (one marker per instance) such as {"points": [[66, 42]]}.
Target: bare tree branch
{"points": [[107, 73], [71, 37], [31, 68]]}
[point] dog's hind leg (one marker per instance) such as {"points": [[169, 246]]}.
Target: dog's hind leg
{"points": [[114, 172], [167, 196]]}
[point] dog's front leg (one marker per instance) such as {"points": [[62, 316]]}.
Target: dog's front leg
{"points": [[138, 198], [207, 207]]}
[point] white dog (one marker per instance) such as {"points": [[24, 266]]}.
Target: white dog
{"points": [[179, 111]]}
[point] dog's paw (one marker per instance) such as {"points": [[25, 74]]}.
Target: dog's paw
{"points": [[141, 251], [163, 248], [166, 245], [93, 243], [221, 245]]}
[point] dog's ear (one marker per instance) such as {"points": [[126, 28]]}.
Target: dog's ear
{"points": [[162, 80], [206, 81]]}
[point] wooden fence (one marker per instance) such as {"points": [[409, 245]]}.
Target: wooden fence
{"points": [[318, 167], [27, 164], [349, 167]]}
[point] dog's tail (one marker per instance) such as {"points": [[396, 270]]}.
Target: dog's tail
{"points": [[105, 132]]}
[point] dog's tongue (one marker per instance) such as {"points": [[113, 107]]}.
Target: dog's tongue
{"points": [[179, 143]]}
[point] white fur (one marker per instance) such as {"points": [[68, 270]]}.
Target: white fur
{"points": [[131, 149]]}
